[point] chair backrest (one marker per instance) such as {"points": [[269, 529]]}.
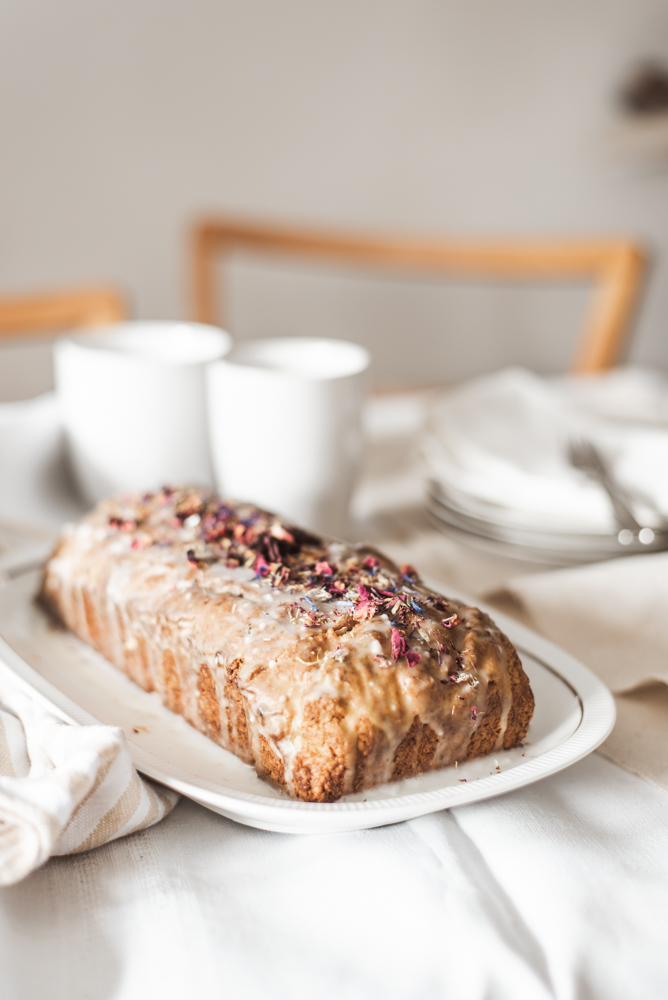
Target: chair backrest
{"points": [[615, 266], [39, 314], [29, 322]]}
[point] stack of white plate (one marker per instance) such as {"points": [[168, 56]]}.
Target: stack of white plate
{"points": [[496, 451]]}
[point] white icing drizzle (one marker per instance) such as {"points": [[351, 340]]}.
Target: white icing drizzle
{"points": [[159, 602]]}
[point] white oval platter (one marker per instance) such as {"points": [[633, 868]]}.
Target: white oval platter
{"points": [[574, 713]]}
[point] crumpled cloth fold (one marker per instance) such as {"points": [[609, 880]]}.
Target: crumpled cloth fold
{"points": [[65, 788]]}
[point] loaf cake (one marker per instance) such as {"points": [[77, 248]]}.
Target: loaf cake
{"points": [[323, 665]]}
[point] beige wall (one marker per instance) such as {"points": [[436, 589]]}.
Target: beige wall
{"points": [[120, 121]]}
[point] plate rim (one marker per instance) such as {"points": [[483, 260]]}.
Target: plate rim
{"points": [[578, 545], [597, 719]]}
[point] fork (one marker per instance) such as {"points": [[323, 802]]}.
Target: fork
{"points": [[586, 457]]}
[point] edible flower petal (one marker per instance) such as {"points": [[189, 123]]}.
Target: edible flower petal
{"points": [[399, 645]]}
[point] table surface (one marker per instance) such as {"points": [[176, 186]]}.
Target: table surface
{"points": [[557, 890]]}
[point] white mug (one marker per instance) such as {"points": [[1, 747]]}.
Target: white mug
{"points": [[285, 427], [132, 401]]}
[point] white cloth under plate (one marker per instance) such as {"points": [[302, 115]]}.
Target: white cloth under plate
{"points": [[65, 788], [555, 891], [612, 616], [502, 439]]}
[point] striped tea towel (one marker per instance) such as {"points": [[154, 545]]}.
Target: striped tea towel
{"points": [[65, 788]]}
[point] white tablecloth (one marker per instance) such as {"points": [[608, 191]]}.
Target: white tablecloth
{"points": [[558, 890]]}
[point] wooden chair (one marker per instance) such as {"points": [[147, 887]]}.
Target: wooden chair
{"points": [[28, 323], [39, 314], [615, 266]]}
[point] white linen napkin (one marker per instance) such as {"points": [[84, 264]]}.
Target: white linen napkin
{"points": [[503, 439], [613, 617], [65, 788]]}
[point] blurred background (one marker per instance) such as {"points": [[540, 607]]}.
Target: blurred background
{"points": [[123, 122]]}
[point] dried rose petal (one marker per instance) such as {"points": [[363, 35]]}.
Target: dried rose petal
{"points": [[140, 543], [399, 645], [278, 531], [260, 565], [364, 611]]}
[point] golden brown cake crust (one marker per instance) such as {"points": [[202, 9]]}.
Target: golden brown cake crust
{"points": [[323, 665]]}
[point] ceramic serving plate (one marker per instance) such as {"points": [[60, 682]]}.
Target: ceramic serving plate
{"points": [[574, 713]]}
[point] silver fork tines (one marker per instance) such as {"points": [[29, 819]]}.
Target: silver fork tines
{"points": [[586, 457]]}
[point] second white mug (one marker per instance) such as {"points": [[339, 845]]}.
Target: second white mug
{"points": [[285, 427]]}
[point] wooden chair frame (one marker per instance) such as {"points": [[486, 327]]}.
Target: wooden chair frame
{"points": [[31, 315], [616, 266]]}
